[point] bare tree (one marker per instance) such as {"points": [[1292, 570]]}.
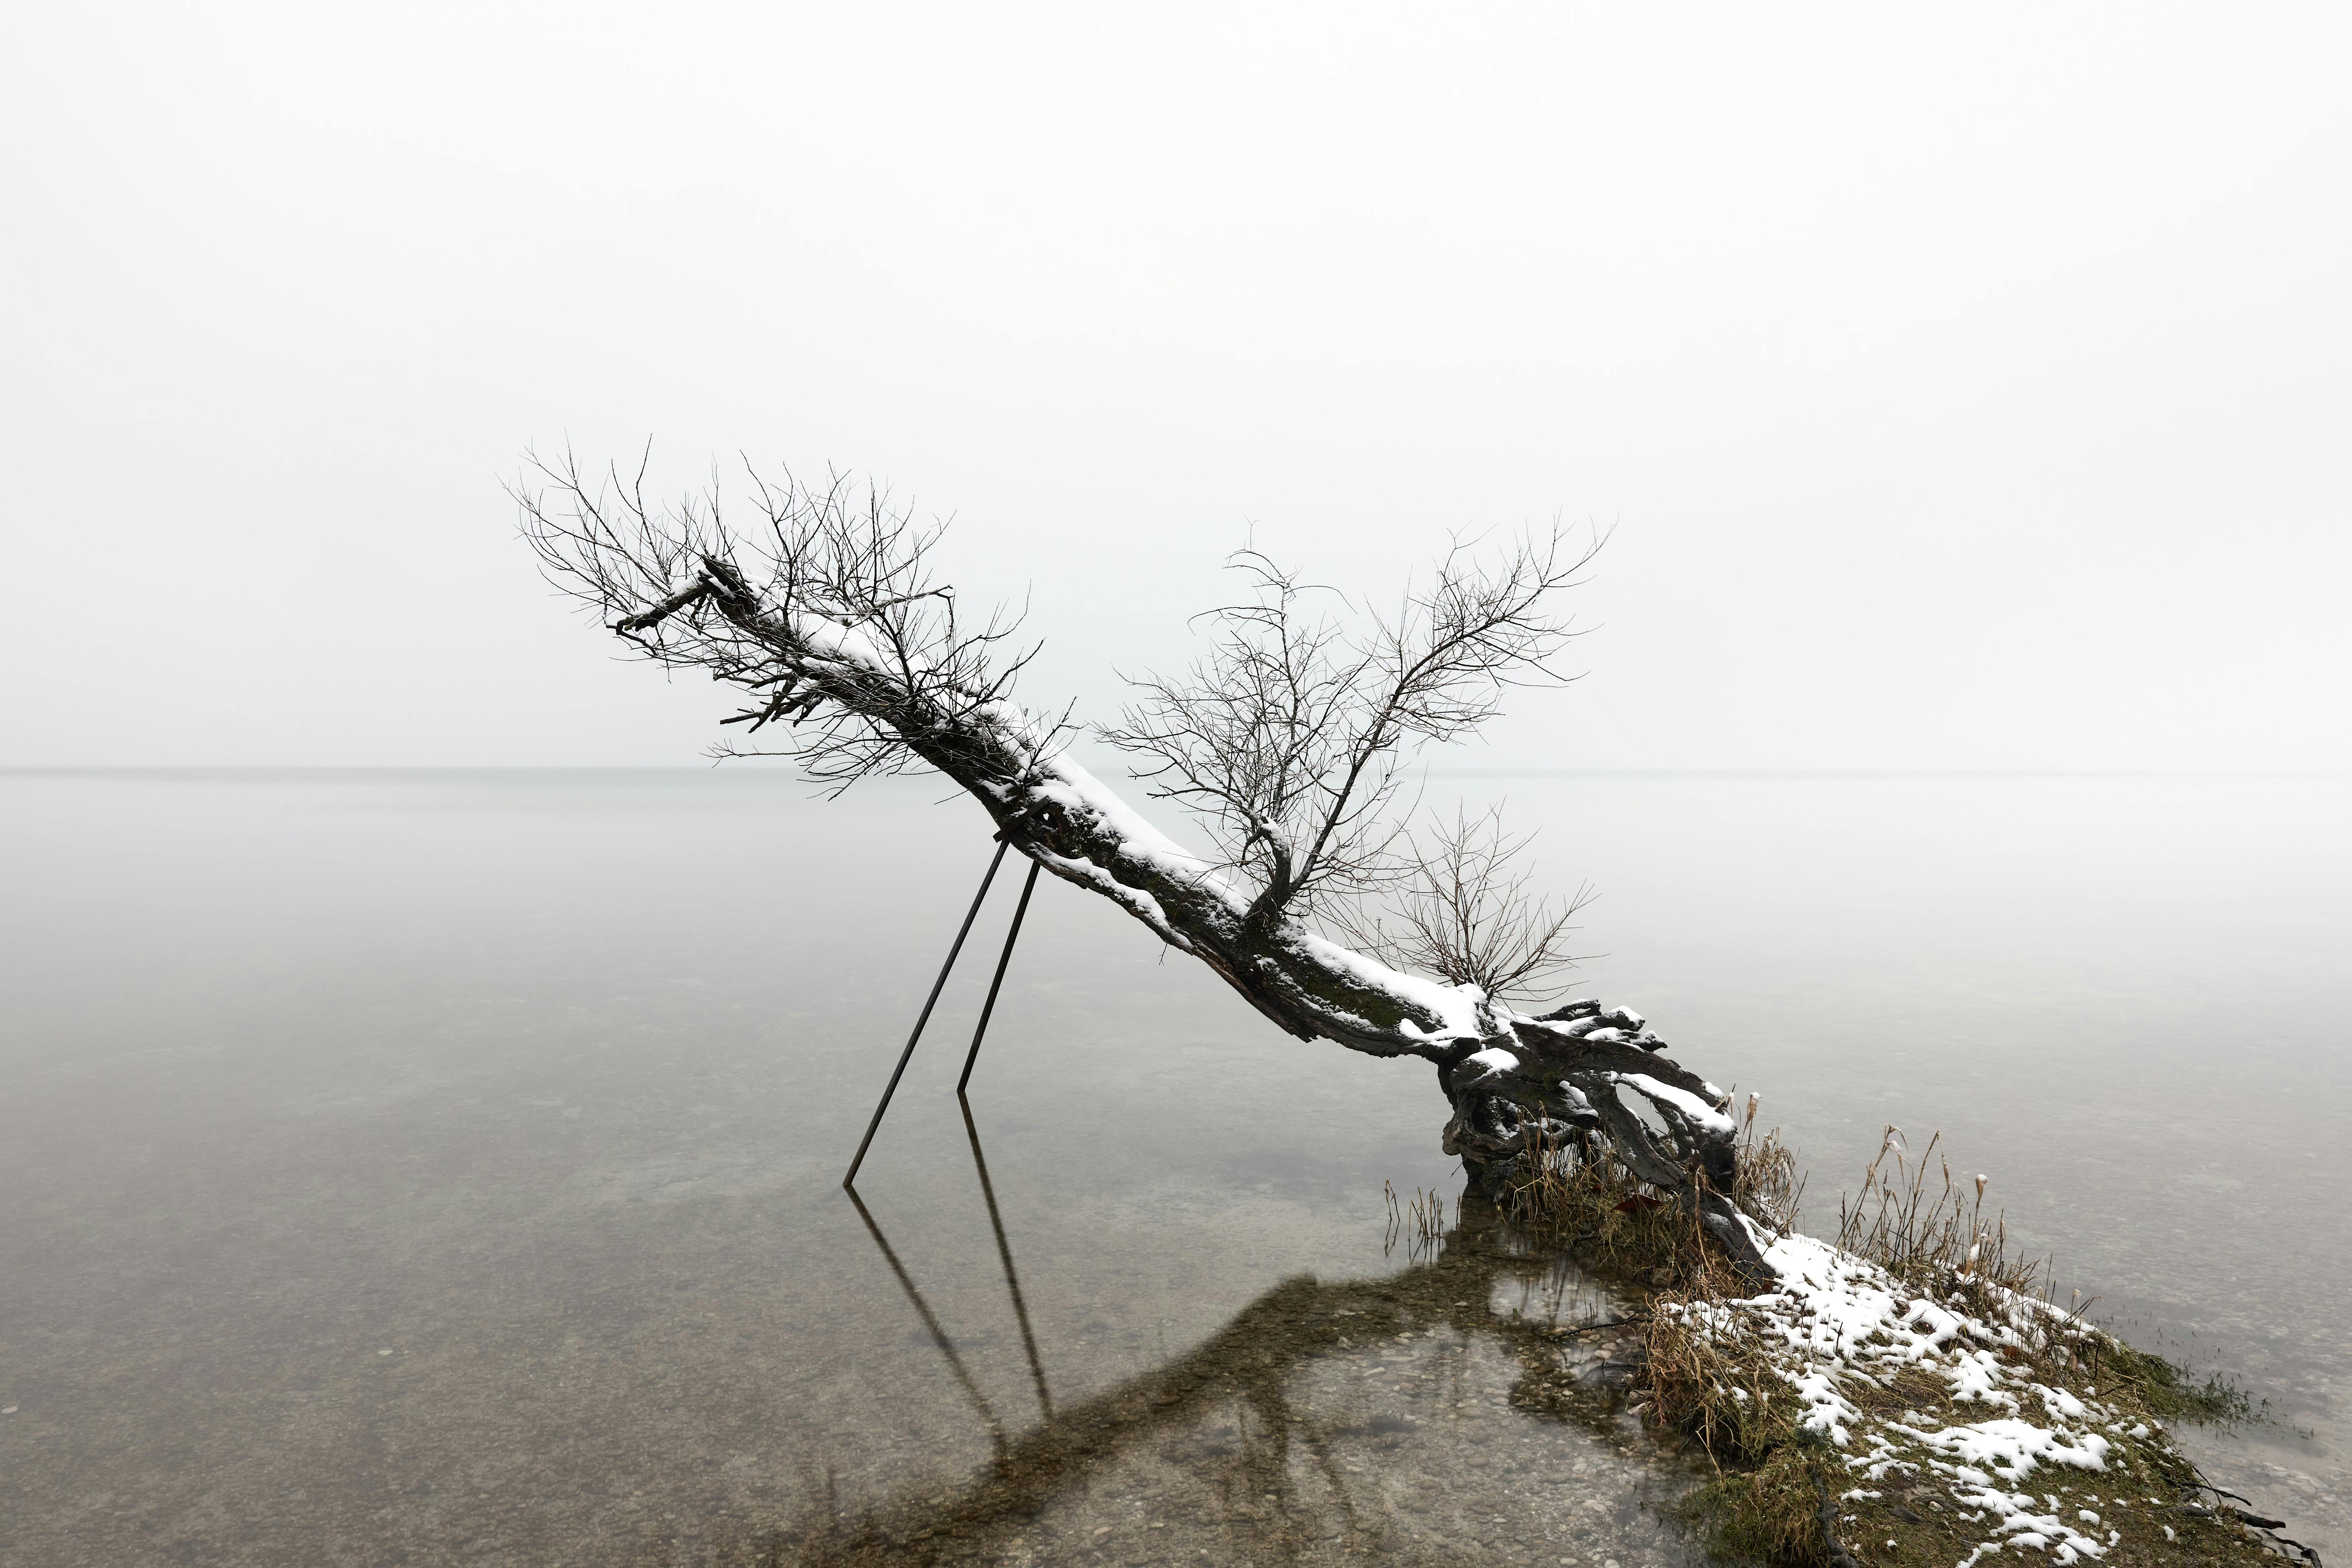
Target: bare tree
{"points": [[1463, 911], [1286, 738], [1285, 742]]}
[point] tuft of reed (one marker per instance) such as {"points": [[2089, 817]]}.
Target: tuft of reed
{"points": [[1578, 1195], [1769, 1186], [1581, 1198], [1926, 1239], [1419, 1223]]}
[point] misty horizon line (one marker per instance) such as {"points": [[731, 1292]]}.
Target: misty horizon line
{"points": [[191, 770]]}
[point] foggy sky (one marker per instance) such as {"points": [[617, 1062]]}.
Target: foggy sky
{"points": [[1964, 389]]}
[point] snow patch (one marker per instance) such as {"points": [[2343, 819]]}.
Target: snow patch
{"points": [[1494, 1059], [1682, 1100], [1836, 1322]]}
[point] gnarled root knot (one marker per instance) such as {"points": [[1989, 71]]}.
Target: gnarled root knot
{"points": [[1563, 1080]]}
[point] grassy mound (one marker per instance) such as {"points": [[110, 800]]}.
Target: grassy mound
{"points": [[1908, 1396]]}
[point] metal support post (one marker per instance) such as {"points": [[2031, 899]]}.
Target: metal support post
{"points": [[1005, 958], [937, 987]]}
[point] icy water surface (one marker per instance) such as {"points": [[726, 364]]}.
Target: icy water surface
{"points": [[424, 1168]]}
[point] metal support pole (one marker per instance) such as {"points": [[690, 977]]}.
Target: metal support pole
{"points": [[1005, 1251], [1002, 958], [937, 987], [938, 1334]]}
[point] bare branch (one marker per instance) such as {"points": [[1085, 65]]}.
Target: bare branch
{"points": [[1463, 911], [1287, 736], [829, 599]]}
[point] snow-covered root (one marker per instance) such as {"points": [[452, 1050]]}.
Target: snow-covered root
{"points": [[1592, 1080]]}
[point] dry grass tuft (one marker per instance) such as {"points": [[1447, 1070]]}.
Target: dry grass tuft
{"points": [[1924, 1238], [1723, 1390], [1769, 1186], [1581, 1198], [1769, 1513]]}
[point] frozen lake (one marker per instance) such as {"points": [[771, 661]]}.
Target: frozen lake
{"points": [[424, 1167]]}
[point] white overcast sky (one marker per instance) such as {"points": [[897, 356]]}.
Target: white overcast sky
{"points": [[1967, 386]]}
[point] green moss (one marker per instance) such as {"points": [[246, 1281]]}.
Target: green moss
{"points": [[2165, 1389]]}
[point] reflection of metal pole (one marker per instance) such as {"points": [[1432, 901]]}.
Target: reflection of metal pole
{"points": [[937, 987], [990, 1005], [922, 1309], [1004, 1249]]}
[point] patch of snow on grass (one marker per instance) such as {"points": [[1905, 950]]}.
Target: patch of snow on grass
{"points": [[1837, 1326]]}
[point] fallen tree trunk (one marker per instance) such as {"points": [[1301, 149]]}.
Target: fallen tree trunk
{"points": [[849, 648]]}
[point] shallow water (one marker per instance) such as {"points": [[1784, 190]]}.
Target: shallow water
{"points": [[444, 1167]]}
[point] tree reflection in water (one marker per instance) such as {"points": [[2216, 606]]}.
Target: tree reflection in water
{"points": [[1469, 1409]]}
